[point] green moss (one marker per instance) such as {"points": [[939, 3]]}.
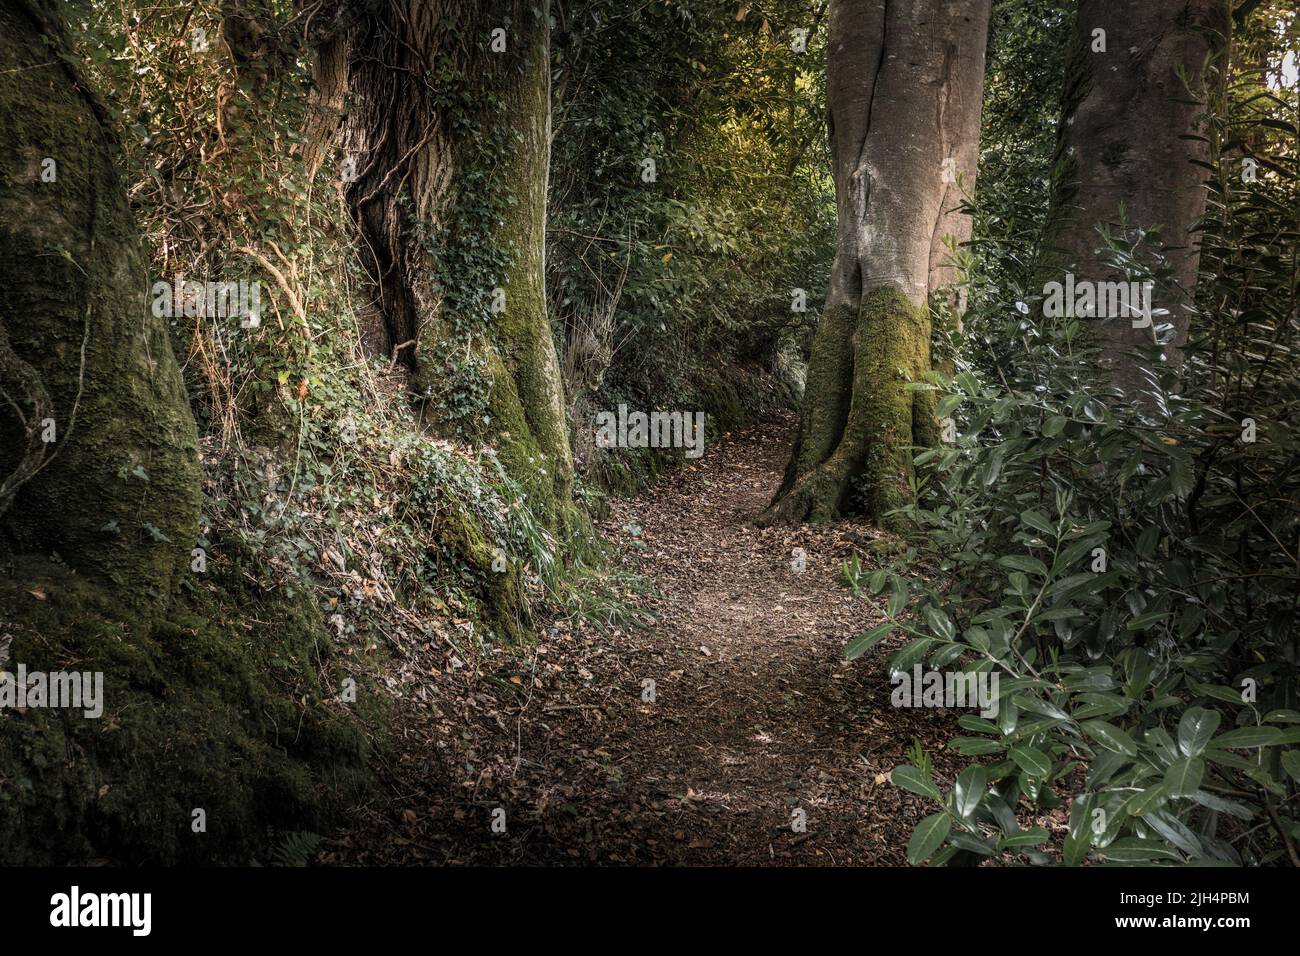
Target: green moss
{"points": [[507, 389], [216, 705], [630, 469], [502, 598], [119, 497], [870, 449], [828, 389], [523, 330], [892, 346]]}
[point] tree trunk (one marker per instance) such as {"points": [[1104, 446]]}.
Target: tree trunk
{"points": [[327, 31], [904, 84], [98, 450], [1122, 145], [450, 141], [326, 104]]}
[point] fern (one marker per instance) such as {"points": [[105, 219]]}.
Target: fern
{"points": [[296, 848]]}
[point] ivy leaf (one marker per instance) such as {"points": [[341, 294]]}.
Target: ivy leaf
{"points": [[1038, 521], [1031, 837], [1180, 477], [1023, 562], [939, 622], [971, 784], [1247, 738], [1140, 803], [1031, 761], [974, 746], [1138, 850], [1291, 763], [897, 597]]}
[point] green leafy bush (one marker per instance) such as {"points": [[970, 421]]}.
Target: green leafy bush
{"points": [[680, 288], [1128, 565], [1130, 571]]}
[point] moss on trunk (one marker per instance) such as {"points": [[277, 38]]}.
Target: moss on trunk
{"points": [[870, 449], [452, 138], [117, 495], [214, 697], [904, 83], [215, 704]]}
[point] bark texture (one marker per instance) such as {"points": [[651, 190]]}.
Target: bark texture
{"points": [[450, 141], [115, 493], [326, 28], [1124, 144], [904, 85]]}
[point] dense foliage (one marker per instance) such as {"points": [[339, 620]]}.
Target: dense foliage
{"points": [[690, 199], [1127, 567]]}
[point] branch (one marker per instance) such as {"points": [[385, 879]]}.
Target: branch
{"points": [[280, 280]]}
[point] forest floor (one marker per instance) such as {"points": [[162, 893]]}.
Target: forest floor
{"points": [[755, 715]]}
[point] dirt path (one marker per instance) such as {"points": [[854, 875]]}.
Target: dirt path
{"points": [[755, 714]]}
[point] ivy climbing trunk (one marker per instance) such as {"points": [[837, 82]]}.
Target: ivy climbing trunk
{"points": [[1127, 141], [445, 153], [904, 85], [98, 450]]}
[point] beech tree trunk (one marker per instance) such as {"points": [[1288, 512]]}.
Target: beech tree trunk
{"points": [[98, 449], [445, 153], [904, 84], [1124, 145]]}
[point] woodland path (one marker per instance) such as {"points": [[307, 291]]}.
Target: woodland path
{"points": [[755, 715]]}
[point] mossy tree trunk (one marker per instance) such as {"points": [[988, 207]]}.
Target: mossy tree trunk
{"points": [[904, 84], [445, 148], [98, 450], [1126, 143]]}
